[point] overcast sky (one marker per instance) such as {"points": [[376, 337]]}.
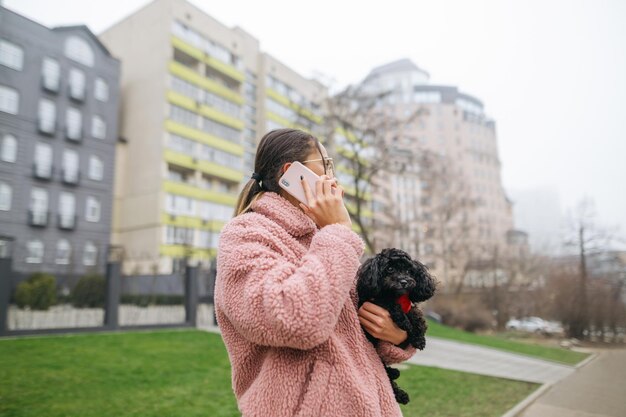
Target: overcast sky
{"points": [[551, 73]]}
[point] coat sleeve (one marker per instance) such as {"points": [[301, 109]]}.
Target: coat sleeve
{"points": [[390, 353], [274, 302]]}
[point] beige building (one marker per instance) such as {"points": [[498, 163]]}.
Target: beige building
{"points": [[451, 206], [196, 97]]}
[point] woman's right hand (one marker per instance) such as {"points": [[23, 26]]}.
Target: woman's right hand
{"points": [[326, 207]]}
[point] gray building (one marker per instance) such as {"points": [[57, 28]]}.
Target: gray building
{"points": [[58, 130]]}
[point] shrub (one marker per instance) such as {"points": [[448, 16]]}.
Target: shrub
{"points": [[38, 292], [89, 291], [464, 313]]}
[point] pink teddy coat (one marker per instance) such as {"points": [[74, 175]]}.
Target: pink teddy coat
{"points": [[286, 305]]}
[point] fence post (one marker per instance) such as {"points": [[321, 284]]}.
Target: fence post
{"points": [[191, 294], [112, 303], [6, 272]]}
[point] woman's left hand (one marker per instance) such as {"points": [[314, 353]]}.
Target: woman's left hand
{"points": [[377, 322]]}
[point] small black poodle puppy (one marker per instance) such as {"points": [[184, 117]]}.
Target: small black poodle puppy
{"points": [[394, 281]]}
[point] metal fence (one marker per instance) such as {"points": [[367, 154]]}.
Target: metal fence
{"points": [[127, 302]]}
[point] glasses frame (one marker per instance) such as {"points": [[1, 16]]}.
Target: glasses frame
{"points": [[329, 164]]}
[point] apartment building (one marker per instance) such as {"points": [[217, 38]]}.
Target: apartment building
{"points": [[58, 129], [196, 98], [452, 128]]}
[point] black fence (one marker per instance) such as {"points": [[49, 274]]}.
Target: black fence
{"points": [[113, 302]]}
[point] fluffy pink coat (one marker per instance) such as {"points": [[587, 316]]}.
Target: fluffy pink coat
{"points": [[285, 301]]}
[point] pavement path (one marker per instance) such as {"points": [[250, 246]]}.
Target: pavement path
{"points": [[597, 389], [448, 354]]}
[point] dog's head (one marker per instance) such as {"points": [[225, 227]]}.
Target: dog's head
{"points": [[393, 273]]}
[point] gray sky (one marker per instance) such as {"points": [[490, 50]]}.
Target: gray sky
{"points": [[551, 73]]}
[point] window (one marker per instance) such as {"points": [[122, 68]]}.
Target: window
{"points": [[51, 74], [67, 209], [38, 200], [9, 100], [11, 55], [64, 251], [47, 116], [78, 50], [95, 168], [74, 122], [43, 160], [101, 90], [180, 205], [77, 84], [70, 166], [178, 235], [98, 128], [8, 152], [92, 211], [90, 255], [34, 252], [5, 196]]}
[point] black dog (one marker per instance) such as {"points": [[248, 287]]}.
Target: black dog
{"points": [[394, 281]]}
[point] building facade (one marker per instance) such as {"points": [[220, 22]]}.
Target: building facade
{"points": [[197, 96], [58, 129], [450, 187]]}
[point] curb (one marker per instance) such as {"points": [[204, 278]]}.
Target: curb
{"points": [[591, 357], [522, 405]]}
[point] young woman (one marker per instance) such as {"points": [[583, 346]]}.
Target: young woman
{"points": [[285, 297]]}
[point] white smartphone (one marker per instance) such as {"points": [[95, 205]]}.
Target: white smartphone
{"points": [[290, 181]]}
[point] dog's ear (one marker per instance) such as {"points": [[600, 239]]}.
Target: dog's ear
{"points": [[425, 286], [367, 284]]}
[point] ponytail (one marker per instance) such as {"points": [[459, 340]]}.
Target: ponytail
{"points": [[250, 193]]}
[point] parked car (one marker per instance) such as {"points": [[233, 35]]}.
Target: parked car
{"points": [[535, 325]]}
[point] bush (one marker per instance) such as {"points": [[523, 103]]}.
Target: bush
{"points": [[38, 292], [89, 291], [154, 299], [467, 314]]}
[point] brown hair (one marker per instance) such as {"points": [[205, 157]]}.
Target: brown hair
{"points": [[275, 149]]}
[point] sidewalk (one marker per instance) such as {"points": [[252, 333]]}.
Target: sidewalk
{"points": [[597, 389], [448, 354]]}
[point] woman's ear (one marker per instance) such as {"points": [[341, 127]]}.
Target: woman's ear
{"points": [[285, 168]]}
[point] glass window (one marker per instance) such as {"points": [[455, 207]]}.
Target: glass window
{"points": [[92, 211], [47, 116], [67, 209], [64, 251], [74, 122], [9, 100], [98, 128], [77, 84], [101, 90], [43, 160], [90, 255], [39, 200], [34, 252], [5, 196], [51, 73], [70, 165], [11, 55], [95, 168], [8, 152], [78, 50]]}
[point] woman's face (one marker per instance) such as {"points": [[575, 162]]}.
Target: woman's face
{"points": [[317, 162]]}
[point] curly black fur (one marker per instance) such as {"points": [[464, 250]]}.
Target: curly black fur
{"points": [[384, 278]]}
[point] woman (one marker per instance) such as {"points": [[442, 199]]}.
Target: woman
{"points": [[285, 297]]}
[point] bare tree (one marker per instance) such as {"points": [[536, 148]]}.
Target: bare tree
{"points": [[360, 129]]}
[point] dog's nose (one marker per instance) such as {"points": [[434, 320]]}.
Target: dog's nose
{"points": [[403, 282]]}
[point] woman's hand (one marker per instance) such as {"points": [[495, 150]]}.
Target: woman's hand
{"points": [[326, 207], [377, 322]]}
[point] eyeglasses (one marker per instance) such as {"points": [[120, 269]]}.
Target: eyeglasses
{"points": [[329, 165]]}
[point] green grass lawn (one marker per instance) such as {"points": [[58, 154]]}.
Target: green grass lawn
{"points": [[187, 373], [499, 342]]}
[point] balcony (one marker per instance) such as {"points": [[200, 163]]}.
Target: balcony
{"points": [[43, 172], [38, 218], [70, 177], [66, 221]]}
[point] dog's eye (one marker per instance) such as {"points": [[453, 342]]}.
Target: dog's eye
{"points": [[390, 269]]}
